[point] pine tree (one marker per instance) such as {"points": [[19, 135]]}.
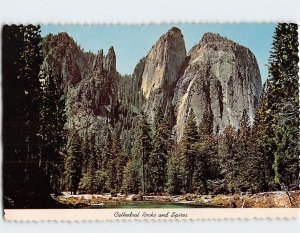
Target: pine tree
{"points": [[107, 163], [73, 162], [121, 161], [24, 182], [101, 179], [264, 144], [107, 151], [143, 149], [132, 181], [205, 152], [133, 176], [13, 132], [88, 180], [188, 152], [229, 160], [286, 163], [101, 153], [136, 171], [245, 153], [53, 119], [158, 158], [112, 163], [211, 178], [277, 118], [174, 179], [283, 71]]}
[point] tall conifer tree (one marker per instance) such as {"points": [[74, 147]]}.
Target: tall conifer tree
{"points": [[277, 119], [53, 119], [283, 71], [73, 163], [229, 160], [24, 182], [188, 152], [158, 158], [206, 151]]}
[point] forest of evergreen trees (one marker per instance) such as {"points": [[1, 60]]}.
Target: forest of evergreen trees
{"points": [[42, 157]]}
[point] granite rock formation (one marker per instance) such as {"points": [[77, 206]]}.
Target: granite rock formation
{"points": [[216, 75], [99, 90], [90, 81], [221, 77], [161, 71]]}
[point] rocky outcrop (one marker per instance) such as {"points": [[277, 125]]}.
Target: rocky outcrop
{"points": [[138, 74], [63, 56], [222, 77], [90, 81], [99, 90], [161, 71]]}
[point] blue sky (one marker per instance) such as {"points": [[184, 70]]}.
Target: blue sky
{"points": [[132, 42]]}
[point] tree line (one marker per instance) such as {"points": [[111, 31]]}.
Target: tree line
{"points": [[42, 157]]}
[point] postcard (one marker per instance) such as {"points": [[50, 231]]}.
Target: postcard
{"points": [[150, 122]]}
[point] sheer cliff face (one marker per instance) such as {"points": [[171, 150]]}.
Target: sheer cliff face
{"points": [[64, 57], [90, 81], [161, 71], [99, 89], [216, 75], [222, 76]]}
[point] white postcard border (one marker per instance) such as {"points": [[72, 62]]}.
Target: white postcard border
{"points": [[148, 214]]}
